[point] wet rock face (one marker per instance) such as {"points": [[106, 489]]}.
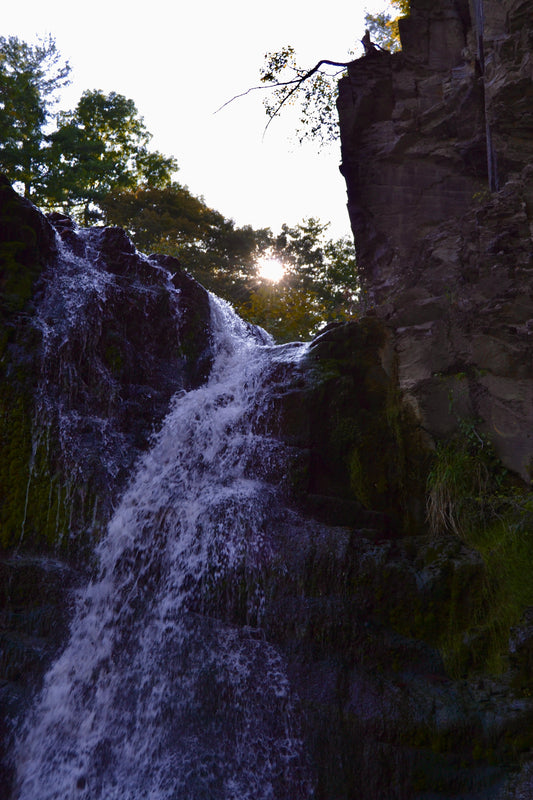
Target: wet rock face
{"points": [[34, 610], [437, 151], [96, 340]]}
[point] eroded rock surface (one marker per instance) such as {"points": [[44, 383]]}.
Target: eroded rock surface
{"points": [[437, 151], [96, 340]]}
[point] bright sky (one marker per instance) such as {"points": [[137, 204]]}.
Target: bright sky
{"points": [[181, 61]]}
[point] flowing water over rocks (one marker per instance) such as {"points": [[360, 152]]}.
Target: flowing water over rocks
{"points": [[157, 694]]}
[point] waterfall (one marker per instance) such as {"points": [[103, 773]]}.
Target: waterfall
{"points": [[167, 688]]}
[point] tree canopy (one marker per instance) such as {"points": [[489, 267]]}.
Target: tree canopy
{"points": [[383, 26], [30, 78], [98, 148], [319, 284], [94, 163], [69, 160], [319, 281]]}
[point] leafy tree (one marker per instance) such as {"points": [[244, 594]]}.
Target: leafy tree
{"points": [[30, 78], [171, 220], [320, 279], [383, 27], [319, 285], [289, 314], [98, 148], [315, 89]]}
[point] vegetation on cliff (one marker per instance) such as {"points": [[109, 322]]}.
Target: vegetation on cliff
{"points": [[315, 89], [473, 497]]}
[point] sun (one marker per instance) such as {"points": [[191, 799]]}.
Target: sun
{"points": [[270, 268]]}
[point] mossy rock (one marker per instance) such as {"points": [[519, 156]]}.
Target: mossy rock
{"points": [[366, 445], [26, 241]]}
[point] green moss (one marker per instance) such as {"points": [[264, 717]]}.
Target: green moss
{"points": [[15, 450], [471, 496], [16, 281], [38, 503], [114, 359], [367, 440]]}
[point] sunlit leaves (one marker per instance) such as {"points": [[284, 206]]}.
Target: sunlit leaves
{"points": [[288, 313], [383, 27], [316, 94], [319, 283], [98, 148]]}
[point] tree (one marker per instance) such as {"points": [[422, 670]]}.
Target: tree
{"points": [[316, 88], [383, 27], [289, 314], [171, 220], [320, 282], [30, 78], [319, 285], [98, 148]]}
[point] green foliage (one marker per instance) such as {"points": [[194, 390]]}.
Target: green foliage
{"points": [[319, 285], [464, 482], [171, 220], [315, 90], [383, 26], [471, 496], [288, 313], [383, 29], [316, 95], [98, 148], [96, 166], [30, 77]]}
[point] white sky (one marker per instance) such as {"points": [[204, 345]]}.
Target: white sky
{"points": [[180, 61]]}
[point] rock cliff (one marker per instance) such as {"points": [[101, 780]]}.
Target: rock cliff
{"points": [[87, 378], [409, 645], [88, 364], [437, 151]]}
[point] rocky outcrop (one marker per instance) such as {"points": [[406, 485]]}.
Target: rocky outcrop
{"points": [[96, 340], [415, 682], [437, 151]]}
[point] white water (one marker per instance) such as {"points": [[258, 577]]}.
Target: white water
{"points": [[158, 695]]}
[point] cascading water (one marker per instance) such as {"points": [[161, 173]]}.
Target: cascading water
{"points": [[159, 694]]}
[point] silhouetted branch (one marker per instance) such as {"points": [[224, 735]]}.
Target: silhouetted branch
{"points": [[296, 83]]}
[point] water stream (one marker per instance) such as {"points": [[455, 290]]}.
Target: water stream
{"points": [[159, 693]]}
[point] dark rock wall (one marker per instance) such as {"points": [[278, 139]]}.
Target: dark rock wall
{"points": [[437, 151], [388, 631], [90, 357], [85, 378]]}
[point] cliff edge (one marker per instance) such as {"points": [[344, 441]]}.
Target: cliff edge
{"points": [[437, 152]]}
